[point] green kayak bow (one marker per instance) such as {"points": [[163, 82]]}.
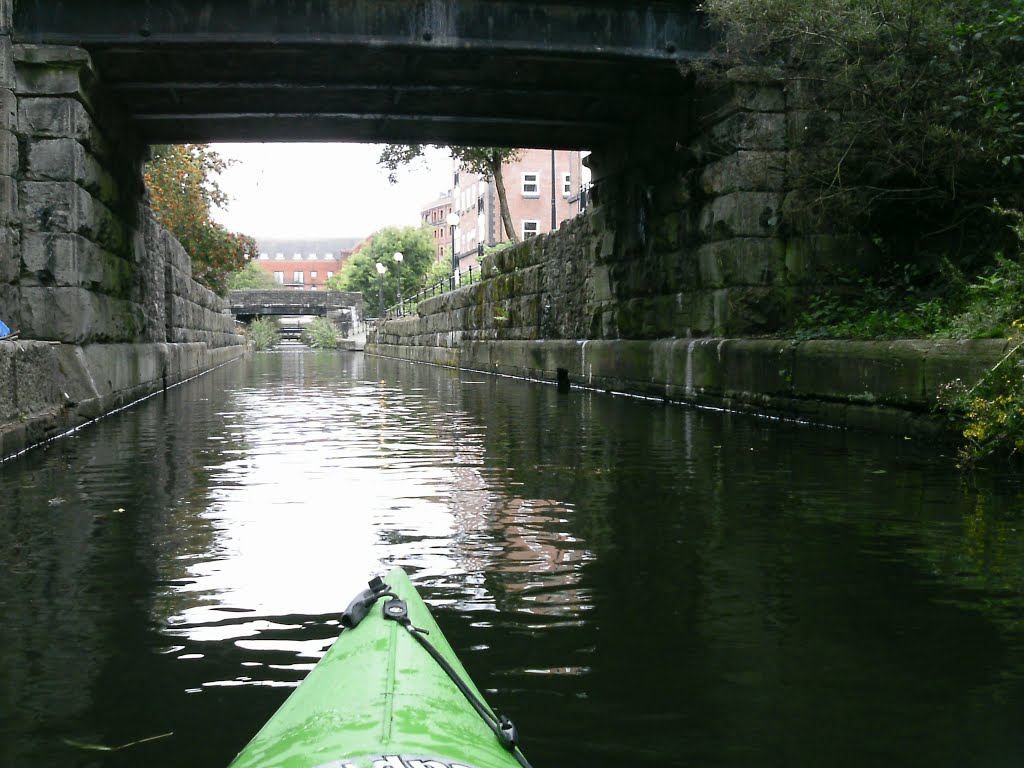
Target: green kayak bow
{"points": [[390, 693]]}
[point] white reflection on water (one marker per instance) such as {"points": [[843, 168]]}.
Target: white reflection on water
{"points": [[329, 490], [317, 485]]}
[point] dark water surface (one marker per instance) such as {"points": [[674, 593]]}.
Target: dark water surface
{"points": [[637, 585]]}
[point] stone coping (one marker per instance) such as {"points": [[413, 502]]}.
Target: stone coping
{"points": [[47, 389], [884, 386]]}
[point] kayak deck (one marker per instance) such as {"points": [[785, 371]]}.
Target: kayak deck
{"points": [[378, 700]]}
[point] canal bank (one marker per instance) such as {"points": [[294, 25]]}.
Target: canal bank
{"points": [[883, 386], [48, 388]]}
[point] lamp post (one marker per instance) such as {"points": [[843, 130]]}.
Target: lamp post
{"points": [[453, 221], [398, 257], [381, 269]]}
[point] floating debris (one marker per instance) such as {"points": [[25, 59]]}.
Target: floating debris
{"points": [[105, 748]]}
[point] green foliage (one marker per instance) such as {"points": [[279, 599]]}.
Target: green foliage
{"points": [[250, 277], [264, 333], [994, 301], [320, 333], [929, 96], [183, 189], [892, 305], [990, 414], [360, 271], [485, 161], [439, 272]]}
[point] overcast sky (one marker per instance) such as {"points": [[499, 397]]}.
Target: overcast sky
{"points": [[323, 190]]}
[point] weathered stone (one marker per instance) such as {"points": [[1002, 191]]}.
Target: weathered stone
{"points": [[53, 206], [745, 171], [759, 367], [967, 361], [742, 261], [7, 76], [69, 260], [803, 92], [77, 316], [44, 70], [600, 284], [8, 153], [10, 305], [809, 259], [673, 195], [760, 97], [865, 371], [749, 310], [59, 118], [10, 255], [8, 201], [29, 376], [741, 214], [8, 110], [67, 160], [751, 130]]}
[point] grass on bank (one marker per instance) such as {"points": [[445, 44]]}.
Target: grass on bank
{"points": [[264, 333], [320, 333]]}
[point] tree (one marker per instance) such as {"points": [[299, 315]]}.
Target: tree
{"points": [[183, 189], [927, 98], [250, 277], [485, 161], [360, 271]]}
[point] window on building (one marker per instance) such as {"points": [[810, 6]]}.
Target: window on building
{"points": [[330, 275], [531, 184], [264, 257], [298, 277], [279, 256], [530, 228], [480, 204], [312, 275], [566, 184], [297, 257], [279, 277]]}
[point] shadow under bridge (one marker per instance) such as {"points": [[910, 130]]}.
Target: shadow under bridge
{"points": [[543, 73]]}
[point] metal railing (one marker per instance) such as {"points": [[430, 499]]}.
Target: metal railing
{"points": [[459, 279]]}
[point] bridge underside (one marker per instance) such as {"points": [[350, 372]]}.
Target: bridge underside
{"points": [[561, 73], [248, 314]]}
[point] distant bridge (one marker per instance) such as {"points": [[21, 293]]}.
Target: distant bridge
{"points": [[247, 305]]}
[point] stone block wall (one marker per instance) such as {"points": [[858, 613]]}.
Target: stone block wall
{"points": [[191, 312], [693, 231], [10, 245], [82, 260]]}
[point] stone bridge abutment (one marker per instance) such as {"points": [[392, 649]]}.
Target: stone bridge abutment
{"points": [[102, 296], [696, 251]]}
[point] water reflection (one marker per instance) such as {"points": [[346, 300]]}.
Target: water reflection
{"points": [[637, 584]]}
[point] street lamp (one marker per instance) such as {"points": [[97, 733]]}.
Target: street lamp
{"points": [[398, 263], [381, 269], [453, 220]]}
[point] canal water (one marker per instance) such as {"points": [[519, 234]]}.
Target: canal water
{"points": [[635, 584]]}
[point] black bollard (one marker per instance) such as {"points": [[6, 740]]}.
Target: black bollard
{"points": [[563, 380]]}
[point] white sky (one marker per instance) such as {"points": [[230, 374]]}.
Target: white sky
{"points": [[323, 190]]}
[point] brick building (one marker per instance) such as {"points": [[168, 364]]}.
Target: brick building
{"points": [[304, 265], [532, 193], [434, 216]]}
